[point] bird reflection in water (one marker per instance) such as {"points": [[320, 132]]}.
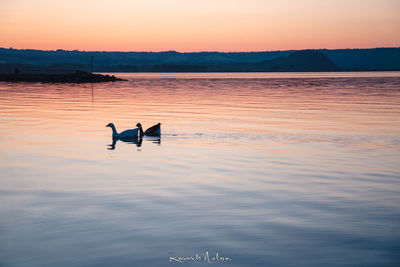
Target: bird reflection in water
{"points": [[153, 139], [134, 140]]}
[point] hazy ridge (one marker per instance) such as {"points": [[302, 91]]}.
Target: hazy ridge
{"points": [[290, 60]]}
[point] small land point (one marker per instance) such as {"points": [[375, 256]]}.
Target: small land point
{"points": [[56, 76]]}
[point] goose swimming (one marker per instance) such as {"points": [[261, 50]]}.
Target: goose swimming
{"points": [[154, 130], [127, 134]]}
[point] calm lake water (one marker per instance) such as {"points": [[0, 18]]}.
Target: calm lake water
{"points": [[281, 169]]}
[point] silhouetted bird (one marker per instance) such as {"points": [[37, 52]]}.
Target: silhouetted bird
{"points": [[154, 130], [131, 133]]}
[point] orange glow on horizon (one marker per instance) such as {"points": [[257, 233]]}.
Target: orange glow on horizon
{"points": [[186, 26]]}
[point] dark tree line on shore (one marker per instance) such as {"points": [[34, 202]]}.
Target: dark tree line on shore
{"points": [[171, 61]]}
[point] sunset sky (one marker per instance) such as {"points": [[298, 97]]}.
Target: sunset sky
{"points": [[199, 25]]}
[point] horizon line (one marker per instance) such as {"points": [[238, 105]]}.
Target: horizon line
{"points": [[210, 51]]}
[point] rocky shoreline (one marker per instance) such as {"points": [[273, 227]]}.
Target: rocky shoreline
{"points": [[57, 77]]}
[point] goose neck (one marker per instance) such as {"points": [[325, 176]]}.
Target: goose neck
{"points": [[114, 130]]}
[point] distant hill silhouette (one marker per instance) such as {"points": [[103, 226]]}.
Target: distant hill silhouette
{"points": [[365, 59], [306, 60], [171, 61]]}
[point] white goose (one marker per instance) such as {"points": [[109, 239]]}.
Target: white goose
{"points": [[131, 133]]}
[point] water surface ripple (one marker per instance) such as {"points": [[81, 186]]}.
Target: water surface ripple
{"points": [[268, 169]]}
